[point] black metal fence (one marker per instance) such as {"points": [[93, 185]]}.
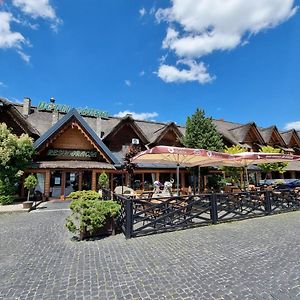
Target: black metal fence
{"points": [[151, 215]]}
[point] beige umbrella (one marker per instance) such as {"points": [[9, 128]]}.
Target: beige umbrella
{"points": [[245, 159], [185, 157]]}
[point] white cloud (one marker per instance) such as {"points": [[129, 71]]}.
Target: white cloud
{"points": [[194, 72], [138, 116], [2, 84], [205, 26], [142, 73], [127, 82], [142, 11], [8, 38], [24, 56], [292, 125], [39, 9], [32, 8], [36, 8]]}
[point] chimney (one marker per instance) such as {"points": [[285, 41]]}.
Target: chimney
{"points": [[26, 106], [98, 127], [55, 116], [55, 113]]}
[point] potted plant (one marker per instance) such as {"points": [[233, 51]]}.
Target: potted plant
{"points": [[30, 183], [92, 218], [103, 182]]}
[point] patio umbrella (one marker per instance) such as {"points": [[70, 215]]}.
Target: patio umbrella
{"points": [[185, 157], [245, 159]]}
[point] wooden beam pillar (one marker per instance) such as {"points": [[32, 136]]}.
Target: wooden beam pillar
{"points": [[47, 183], [111, 181], [258, 177], [94, 180], [143, 179], [157, 176], [80, 181], [63, 185], [127, 181]]}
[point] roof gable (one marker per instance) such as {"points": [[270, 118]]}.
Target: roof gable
{"points": [[127, 120], [272, 136], [19, 119], [83, 127], [161, 133], [247, 133], [291, 138]]}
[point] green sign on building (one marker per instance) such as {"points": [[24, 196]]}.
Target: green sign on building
{"points": [[71, 153], [87, 112]]}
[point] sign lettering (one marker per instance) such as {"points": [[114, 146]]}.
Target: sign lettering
{"points": [[71, 153], [88, 112]]}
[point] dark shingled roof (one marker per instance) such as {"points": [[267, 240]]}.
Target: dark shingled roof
{"points": [[232, 132], [287, 135], [266, 133], [19, 118]]}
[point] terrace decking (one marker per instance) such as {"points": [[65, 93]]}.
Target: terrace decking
{"points": [[152, 215]]}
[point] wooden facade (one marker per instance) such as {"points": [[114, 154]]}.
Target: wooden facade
{"points": [[71, 151]]}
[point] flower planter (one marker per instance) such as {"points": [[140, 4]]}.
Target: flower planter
{"points": [[109, 228]]}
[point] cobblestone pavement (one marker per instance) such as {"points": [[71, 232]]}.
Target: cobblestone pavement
{"points": [[253, 259]]}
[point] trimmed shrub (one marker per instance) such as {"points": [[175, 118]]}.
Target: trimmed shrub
{"points": [[84, 195], [103, 180], [30, 184], [5, 200], [91, 215]]}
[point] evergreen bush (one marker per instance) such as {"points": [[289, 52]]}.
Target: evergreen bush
{"points": [[30, 183], [91, 215], [103, 181], [84, 195], [5, 200]]}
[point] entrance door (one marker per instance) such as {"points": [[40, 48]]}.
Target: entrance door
{"points": [[72, 183], [87, 180], [55, 184]]}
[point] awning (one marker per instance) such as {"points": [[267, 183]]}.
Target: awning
{"points": [[67, 164], [293, 166], [286, 149]]}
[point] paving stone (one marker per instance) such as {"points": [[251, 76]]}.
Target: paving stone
{"points": [[252, 259]]}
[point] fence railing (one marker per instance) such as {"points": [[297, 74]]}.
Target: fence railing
{"points": [[152, 215]]}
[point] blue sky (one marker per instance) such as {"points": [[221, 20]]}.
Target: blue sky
{"points": [[158, 59]]}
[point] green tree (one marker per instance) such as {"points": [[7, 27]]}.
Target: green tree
{"points": [[15, 154], [233, 173], [268, 168], [30, 183], [103, 180], [202, 133]]}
